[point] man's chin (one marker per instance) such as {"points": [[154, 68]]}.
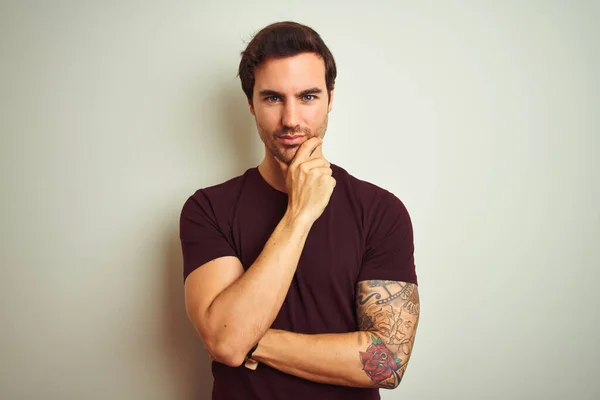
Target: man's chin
{"points": [[286, 155]]}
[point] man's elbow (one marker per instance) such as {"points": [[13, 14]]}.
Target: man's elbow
{"points": [[394, 384], [227, 355], [221, 349], [390, 384], [224, 352], [369, 382]]}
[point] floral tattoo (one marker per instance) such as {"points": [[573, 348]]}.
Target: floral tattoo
{"points": [[389, 310], [378, 362]]}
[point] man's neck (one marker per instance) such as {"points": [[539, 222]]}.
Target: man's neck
{"points": [[271, 173]]}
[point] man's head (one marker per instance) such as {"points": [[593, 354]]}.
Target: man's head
{"points": [[288, 75]]}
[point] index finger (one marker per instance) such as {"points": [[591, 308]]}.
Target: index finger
{"points": [[306, 149]]}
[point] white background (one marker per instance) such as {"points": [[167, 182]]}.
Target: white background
{"points": [[482, 116]]}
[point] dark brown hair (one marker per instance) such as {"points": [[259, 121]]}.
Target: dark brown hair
{"points": [[283, 39]]}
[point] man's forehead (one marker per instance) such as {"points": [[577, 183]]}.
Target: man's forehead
{"points": [[291, 74]]}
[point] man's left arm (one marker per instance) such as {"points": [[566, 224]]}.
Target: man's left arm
{"points": [[374, 356]]}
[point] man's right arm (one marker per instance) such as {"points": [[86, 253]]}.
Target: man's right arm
{"points": [[232, 309]]}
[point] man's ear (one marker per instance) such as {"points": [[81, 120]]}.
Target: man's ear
{"points": [[251, 107], [331, 100]]}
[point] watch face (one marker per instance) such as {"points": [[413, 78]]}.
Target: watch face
{"points": [[251, 364]]}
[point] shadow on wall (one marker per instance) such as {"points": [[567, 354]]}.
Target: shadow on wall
{"points": [[190, 363], [239, 140]]}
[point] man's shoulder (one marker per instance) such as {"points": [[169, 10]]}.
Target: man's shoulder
{"points": [[220, 196], [225, 189], [363, 190]]}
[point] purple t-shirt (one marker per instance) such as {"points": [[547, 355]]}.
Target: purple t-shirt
{"points": [[364, 233]]}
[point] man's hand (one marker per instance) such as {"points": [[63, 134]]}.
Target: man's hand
{"points": [[308, 180], [232, 308]]}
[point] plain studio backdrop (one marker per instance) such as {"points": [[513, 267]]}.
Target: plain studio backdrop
{"points": [[483, 117]]}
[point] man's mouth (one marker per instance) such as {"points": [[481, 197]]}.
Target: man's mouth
{"points": [[291, 139]]}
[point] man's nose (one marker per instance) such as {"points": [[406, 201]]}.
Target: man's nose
{"points": [[290, 117]]}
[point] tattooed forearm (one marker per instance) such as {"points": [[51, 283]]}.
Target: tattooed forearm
{"points": [[364, 299], [379, 363], [390, 310]]}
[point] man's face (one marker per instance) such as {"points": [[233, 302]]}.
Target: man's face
{"points": [[290, 103]]}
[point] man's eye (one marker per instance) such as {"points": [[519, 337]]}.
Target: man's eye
{"points": [[308, 97], [272, 99]]}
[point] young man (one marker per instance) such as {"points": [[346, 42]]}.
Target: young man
{"points": [[297, 265]]}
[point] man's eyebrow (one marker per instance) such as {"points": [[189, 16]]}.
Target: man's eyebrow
{"points": [[307, 92], [268, 92], [264, 93]]}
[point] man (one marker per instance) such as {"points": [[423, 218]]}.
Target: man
{"points": [[296, 265]]}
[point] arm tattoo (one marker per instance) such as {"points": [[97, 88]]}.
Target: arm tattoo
{"points": [[390, 311]]}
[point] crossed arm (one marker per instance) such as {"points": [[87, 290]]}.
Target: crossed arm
{"points": [[374, 356], [233, 309]]}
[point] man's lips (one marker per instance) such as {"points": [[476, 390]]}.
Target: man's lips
{"points": [[287, 139]]}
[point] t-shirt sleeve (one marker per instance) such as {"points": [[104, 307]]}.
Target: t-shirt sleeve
{"points": [[389, 251], [202, 240]]}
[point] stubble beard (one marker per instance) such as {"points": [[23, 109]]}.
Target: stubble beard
{"points": [[283, 152]]}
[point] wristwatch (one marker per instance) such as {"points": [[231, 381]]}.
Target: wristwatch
{"points": [[251, 363]]}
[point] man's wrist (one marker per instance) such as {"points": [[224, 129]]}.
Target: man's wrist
{"points": [[256, 354], [297, 221], [249, 355], [262, 349]]}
